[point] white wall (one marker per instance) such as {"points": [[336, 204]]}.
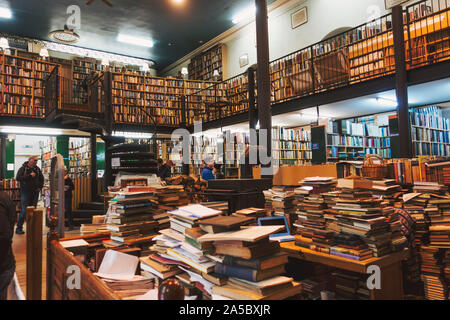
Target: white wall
{"points": [[324, 16], [22, 154]]}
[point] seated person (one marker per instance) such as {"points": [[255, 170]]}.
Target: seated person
{"points": [[164, 170], [207, 173]]}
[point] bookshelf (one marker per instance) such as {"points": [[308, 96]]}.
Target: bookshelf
{"points": [[81, 68], [430, 132], [349, 140], [48, 151], [22, 86], [202, 148], [291, 146], [234, 150], [79, 158], [161, 98], [429, 34], [12, 188], [202, 66]]}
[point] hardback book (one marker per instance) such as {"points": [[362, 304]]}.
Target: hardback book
{"points": [[262, 263], [223, 223], [161, 270], [234, 293], [264, 287], [248, 273], [254, 251], [250, 234]]}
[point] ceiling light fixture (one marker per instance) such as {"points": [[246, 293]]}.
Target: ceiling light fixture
{"points": [[5, 13], [382, 102], [133, 135], [245, 14], [105, 62], [145, 67], [31, 130], [178, 2], [184, 71], [135, 40], [66, 36]]}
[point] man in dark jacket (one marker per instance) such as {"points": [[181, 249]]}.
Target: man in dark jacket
{"points": [[31, 182], [164, 170], [7, 261]]}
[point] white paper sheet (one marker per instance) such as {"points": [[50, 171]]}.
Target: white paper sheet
{"points": [[118, 266]]}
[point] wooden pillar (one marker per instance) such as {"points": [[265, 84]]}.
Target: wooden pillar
{"points": [[401, 83], [185, 166], [252, 114], [2, 156], [263, 76], [93, 166], [109, 128], [34, 254]]}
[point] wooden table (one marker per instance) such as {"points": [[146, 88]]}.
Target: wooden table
{"points": [[390, 267]]}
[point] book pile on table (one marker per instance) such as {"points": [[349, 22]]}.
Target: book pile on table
{"points": [[168, 198], [319, 184], [310, 226], [359, 214], [430, 187], [177, 251], [446, 262], [398, 240], [253, 213], [388, 189], [280, 200], [311, 289], [438, 210], [432, 273], [415, 204], [351, 286], [252, 264], [130, 290], [130, 218]]}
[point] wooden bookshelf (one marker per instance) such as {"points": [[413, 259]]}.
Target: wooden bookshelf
{"points": [[22, 86], [202, 66], [428, 37]]}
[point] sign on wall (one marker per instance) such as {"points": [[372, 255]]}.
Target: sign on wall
{"points": [[392, 3]]}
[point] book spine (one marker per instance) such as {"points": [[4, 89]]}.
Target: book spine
{"points": [[238, 262], [235, 272]]}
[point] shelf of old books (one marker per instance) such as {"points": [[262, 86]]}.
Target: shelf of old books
{"points": [[22, 85]]}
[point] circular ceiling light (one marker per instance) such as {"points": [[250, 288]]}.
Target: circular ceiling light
{"points": [[66, 36]]}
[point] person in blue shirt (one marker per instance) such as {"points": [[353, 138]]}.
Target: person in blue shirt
{"points": [[207, 173]]}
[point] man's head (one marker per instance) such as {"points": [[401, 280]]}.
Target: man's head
{"points": [[210, 162], [32, 161], [160, 162]]}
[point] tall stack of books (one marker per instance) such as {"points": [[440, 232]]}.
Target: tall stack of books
{"points": [[130, 218], [168, 198], [359, 214], [350, 286], [439, 213], [253, 265], [398, 240], [447, 271], [388, 189], [280, 200], [432, 273], [415, 204]]}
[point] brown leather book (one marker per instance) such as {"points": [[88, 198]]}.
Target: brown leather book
{"points": [[247, 252]]}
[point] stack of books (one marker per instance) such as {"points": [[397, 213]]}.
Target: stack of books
{"points": [[168, 198], [252, 264], [359, 214], [432, 273], [350, 286], [280, 201], [430, 187], [319, 184], [446, 262], [388, 189], [312, 289], [130, 218], [398, 240], [415, 204], [253, 213], [439, 213]]}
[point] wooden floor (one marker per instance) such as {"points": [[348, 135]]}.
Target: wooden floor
{"points": [[20, 254]]}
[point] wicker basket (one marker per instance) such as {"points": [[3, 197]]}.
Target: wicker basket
{"points": [[374, 170]]}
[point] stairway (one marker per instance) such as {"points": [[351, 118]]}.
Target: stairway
{"points": [[85, 212]]}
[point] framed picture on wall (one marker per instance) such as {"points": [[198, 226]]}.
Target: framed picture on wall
{"points": [[243, 60], [299, 18]]}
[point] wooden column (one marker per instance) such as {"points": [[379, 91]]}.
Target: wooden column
{"points": [[93, 166], [263, 76], [252, 112], [401, 81], [34, 254], [185, 166]]}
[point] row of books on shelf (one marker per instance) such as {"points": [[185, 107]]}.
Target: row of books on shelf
{"points": [[9, 184], [430, 135], [302, 134], [292, 145], [432, 149], [22, 110], [292, 155], [430, 117], [346, 141]]}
